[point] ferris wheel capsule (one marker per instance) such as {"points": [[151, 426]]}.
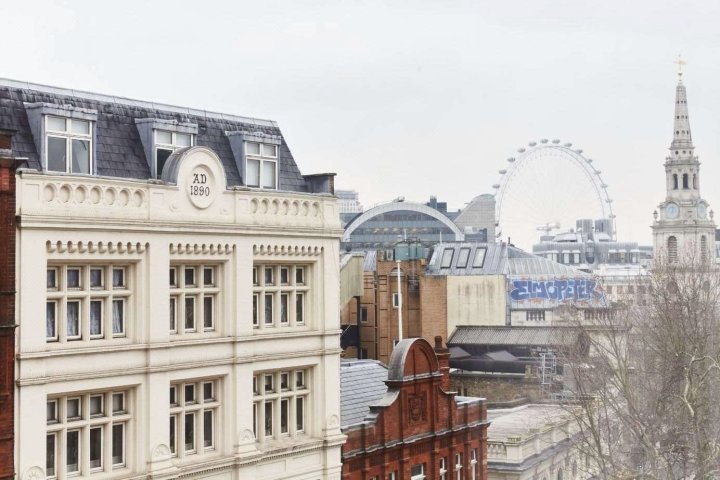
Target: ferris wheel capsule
{"points": [[511, 159], [532, 144]]}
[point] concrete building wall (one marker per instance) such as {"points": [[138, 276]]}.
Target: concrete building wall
{"points": [[476, 300], [433, 306], [68, 222], [497, 388]]}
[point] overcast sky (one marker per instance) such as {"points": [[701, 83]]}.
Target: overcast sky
{"points": [[412, 98]]}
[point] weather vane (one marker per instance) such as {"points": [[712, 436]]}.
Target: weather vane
{"points": [[680, 62]]}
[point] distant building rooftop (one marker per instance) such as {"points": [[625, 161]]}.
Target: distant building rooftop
{"points": [[522, 421]]}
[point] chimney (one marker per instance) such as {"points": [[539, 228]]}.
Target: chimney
{"points": [[8, 164], [443, 356]]}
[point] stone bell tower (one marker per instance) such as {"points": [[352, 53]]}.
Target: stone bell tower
{"points": [[683, 228]]}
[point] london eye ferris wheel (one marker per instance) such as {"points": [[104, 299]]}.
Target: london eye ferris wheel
{"points": [[548, 185]]}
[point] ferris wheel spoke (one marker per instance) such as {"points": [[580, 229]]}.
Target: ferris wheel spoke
{"points": [[546, 184]]}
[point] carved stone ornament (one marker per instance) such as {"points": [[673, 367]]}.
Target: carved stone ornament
{"points": [[34, 473], [416, 408], [161, 452], [333, 421]]}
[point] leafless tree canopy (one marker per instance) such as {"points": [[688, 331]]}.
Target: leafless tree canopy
{"points": [[647, 391]]}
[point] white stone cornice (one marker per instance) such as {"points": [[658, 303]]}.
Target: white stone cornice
{"points": [[147, 369], [91, 247], [287, 250], [201, 248]]}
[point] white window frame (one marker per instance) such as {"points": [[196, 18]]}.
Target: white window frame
{"points": [[267, 284], [172, 146], [443, 468], [197, 408], [458, 466], [198, 291], [68, 135], [473, 464], [59, 424], [60, 295], [272, 395], [418, 476], [395, 300], [262, 158], [54, 474]]}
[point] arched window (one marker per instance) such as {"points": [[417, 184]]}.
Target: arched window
{"points": [[560, 474], [672, 249], [703, 249], [675, 181], [685, 181], [694, 181]]}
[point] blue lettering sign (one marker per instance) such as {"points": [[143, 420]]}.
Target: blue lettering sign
{"points": [[559, 290]]}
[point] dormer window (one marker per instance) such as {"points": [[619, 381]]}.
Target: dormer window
{"points": [[160, 138], [166, 142], [261, 165], [64, 136], [69, 145], [257, 156]]}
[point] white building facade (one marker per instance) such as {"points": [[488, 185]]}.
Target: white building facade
{"points": [[535, 442], [188, 326]]}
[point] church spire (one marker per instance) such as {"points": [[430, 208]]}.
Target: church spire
{"points": [[681, 146]]}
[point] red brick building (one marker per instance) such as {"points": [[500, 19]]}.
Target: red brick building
{"points": [[7, 306], [408, 427]]}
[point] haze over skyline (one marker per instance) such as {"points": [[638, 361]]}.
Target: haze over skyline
{"points": [[413, 98]]}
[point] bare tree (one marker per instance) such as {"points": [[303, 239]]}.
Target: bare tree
{"points": [[647, 379]]}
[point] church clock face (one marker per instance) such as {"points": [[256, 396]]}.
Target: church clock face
{"points": [[702, 210], [671, 210]]}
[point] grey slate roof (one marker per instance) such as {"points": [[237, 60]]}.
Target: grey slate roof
{"points": [[521, 336], [457, 353], [521, 263], [495, 259], [362, 383], [500, 259], [119, 150]]}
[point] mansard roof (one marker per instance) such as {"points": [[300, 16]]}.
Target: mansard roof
{"points": [[119, 149], [497, 259]]}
